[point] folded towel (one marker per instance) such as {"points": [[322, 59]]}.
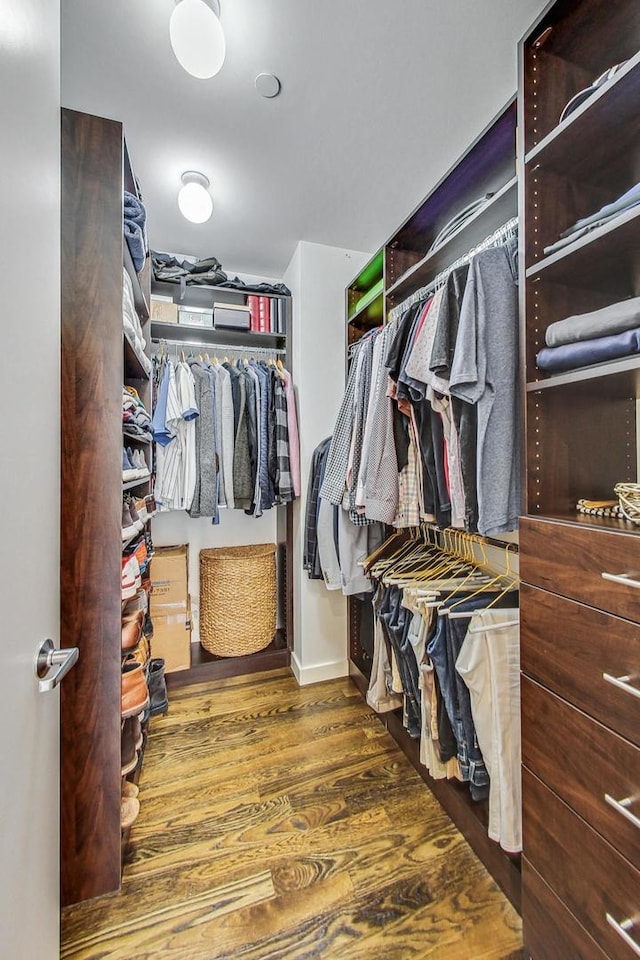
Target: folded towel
{"points": [[570, 356], [134, 210], [616, 318], [135, 240]]}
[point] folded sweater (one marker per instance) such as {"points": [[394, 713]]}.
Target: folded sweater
{"points": [[616, 318], [570, 356]]}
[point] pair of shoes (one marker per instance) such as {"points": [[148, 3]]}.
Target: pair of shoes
{"points": [[131, 580], [132, 630], [132, 522], [130, 789], [134, 465], [141, 654], [130, 743], [135, 692], [129, 810], [159, 702]]}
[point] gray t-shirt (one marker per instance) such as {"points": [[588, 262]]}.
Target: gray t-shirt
{"points": [[484, 372]]}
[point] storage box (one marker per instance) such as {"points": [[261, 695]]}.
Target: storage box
{"points": [[169, 571], [171, 638], [164, 309], [195, 316], [231, 316]]}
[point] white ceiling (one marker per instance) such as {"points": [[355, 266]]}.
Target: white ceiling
{"points": [[378, 99]]}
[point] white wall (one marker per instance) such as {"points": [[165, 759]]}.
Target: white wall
{"points": [[317, 276]]}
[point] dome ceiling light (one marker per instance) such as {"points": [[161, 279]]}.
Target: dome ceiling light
{"points": [[197, 37]]}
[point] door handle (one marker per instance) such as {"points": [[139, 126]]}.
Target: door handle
{"points": [[622, 929], [622, 683], [624, 578], [52, 665], [622, 806]]}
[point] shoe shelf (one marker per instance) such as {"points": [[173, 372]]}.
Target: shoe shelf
{"points": [[130, 484], [136, 438]]}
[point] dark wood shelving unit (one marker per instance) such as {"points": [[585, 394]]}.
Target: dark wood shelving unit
{"points": [[577, 625], [133, 369], [488, 167], [140, 298]]}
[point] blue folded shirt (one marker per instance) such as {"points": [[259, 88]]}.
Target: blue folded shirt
{"points": [[570, 356]]}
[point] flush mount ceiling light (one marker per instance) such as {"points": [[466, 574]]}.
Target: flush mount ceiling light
{"points": [[194, 199], [197, 37]]}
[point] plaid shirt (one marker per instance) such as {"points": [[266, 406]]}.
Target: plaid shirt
{"points": [[284, 480]]}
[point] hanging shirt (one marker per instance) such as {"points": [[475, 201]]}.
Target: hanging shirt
{"points": [[294, 440], [225, 413], [185, 386]]}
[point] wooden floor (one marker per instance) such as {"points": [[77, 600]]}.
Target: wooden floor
{"points": [[284, 822]]}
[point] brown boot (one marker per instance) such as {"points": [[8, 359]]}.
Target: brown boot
{"points": [[135, 693]]}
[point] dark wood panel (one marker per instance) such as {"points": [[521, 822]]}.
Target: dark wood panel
{"points": [[570, 560], [554, 739], [91, 503], [587, 874], [567, 647], [550, 931], [577, 449]]}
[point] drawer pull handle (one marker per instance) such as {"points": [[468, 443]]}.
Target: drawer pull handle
{"points": [[622, 683], [622, 930], [624, 578], [622, 806]]}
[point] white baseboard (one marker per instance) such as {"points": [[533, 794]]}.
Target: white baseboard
{"points": [[319, 671]]}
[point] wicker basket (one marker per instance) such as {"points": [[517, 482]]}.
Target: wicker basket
{"points": [[628, 495], [237, 599]]}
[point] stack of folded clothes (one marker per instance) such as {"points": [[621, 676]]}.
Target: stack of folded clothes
{"points": [[609, 212], [135, 229], [579, 341], [136, 422], [131, 322]]}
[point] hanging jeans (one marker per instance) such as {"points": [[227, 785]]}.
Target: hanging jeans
{"points": [[396, 622], [444, 647]]}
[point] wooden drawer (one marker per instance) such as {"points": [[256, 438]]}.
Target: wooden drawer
{"points": [[582, 762], [567, 647], [584, 871], [549, 930], [570, 560]]}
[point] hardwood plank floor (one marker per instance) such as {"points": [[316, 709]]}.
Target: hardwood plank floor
{"points": [[284, 822]]}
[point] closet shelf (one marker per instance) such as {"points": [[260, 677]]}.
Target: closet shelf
{"points": [[214, 335], [139, 299], [621, 379], [133, 369], [135, 438], [373, 311], [596, 259], [130, 484], [614, 524], [591, 133], [501, 207], [205, 295]]}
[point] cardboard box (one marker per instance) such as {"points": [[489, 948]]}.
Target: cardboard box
{"points": [[169, 571], [171, 638], [164, 309]]}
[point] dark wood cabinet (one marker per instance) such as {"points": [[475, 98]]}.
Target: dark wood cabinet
{"points": [[580, 602]]}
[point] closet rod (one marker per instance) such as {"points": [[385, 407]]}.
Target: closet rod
{"points": [[493, 239], [223, 347]]}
